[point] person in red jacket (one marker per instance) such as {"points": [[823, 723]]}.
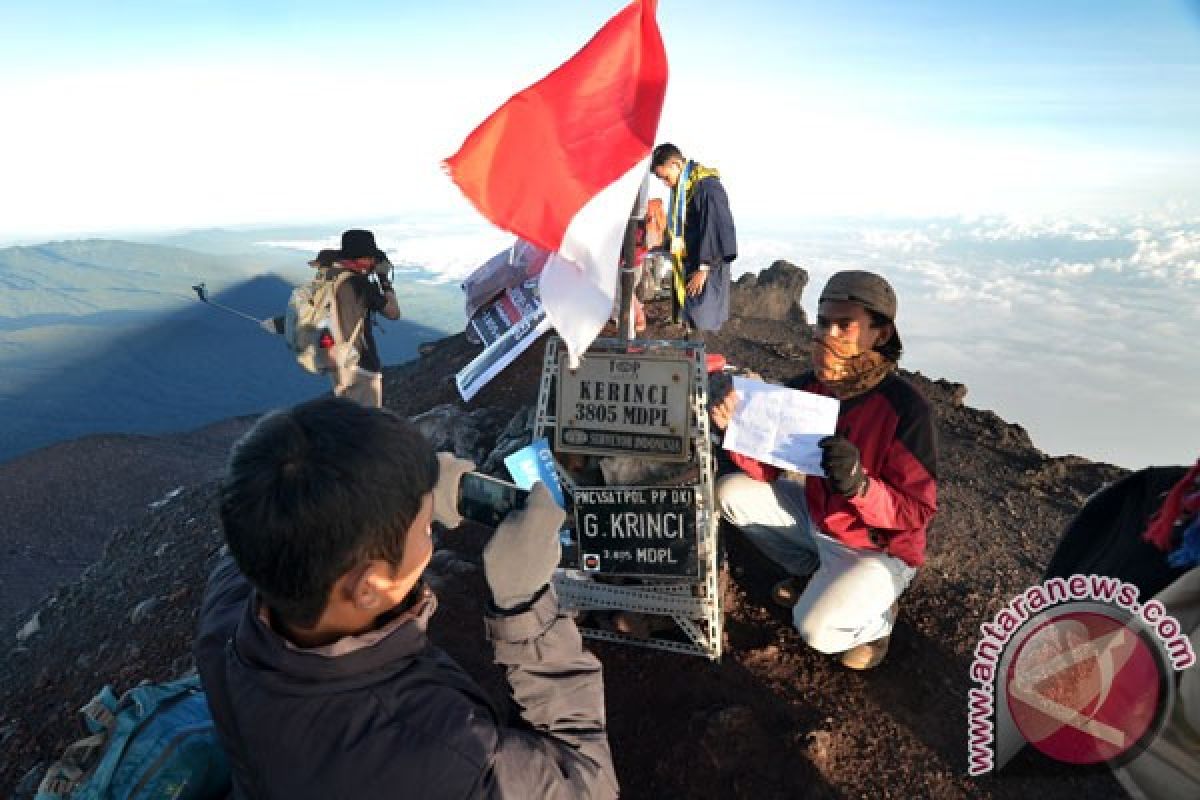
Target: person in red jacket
{"points": [[858, 534]]}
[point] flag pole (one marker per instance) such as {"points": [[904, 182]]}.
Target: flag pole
{"points": [[628, 284]]}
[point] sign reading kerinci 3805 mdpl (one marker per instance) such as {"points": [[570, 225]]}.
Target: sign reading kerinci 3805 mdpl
{"points": [[631, 403]]}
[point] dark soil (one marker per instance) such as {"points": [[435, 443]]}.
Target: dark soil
{"points": [[772, 719], [63, 502]]}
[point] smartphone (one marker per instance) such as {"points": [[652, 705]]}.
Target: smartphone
{"points": [[488, 500]]}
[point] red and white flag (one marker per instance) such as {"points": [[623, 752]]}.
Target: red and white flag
{"points": [[561, 163]]}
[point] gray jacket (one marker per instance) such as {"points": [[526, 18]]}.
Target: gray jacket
{"points": [[398, 718]]}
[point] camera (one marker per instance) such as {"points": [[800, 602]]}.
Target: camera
{"points": [[488, 500]]}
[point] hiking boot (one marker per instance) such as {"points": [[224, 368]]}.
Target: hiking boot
{"points": [[786, 593], [866, 656], [870, 654]]}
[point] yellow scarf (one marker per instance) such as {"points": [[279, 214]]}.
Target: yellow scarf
{"points": [[692, 174], [846, 370]]}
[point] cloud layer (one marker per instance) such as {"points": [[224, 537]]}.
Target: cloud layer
{"points": [[1081, 331]]}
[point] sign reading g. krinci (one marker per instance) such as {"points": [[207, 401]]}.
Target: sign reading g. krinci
{"points": [[625, 404], [637, 530]]}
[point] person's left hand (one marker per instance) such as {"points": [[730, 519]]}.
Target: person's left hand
{"points": [[695, 284], [522, 554], [842, 464], [445, 493]]}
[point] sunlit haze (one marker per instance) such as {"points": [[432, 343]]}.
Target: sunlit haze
{"points": [[1028, 173], [143, 115]]}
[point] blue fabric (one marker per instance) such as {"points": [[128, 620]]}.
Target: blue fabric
{"points": [[711, 239], [709, 310], [678, 203], [162, 744], [1188, 552]]}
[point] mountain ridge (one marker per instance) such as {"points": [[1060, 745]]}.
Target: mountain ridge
{"points": [[773, 719], [107, 335]]}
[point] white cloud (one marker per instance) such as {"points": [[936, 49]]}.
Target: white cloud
{"points": [[450, 250], [1073, 270], [1074, 329], [240, 143]]}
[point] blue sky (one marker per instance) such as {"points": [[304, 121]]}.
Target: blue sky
{"points": [[1021, 169], [178, 114]]}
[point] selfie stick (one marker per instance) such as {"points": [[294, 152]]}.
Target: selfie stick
{"points": [[202, 293]]}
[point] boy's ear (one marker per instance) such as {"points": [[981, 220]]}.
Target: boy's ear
{"points": [[359, 587], [367, 587], [376, 585]]}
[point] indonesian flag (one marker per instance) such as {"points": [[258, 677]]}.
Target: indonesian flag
{"points": [[562, 162]]}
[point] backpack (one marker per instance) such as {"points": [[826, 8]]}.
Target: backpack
{"points": [[312, 329], [157, 741]]}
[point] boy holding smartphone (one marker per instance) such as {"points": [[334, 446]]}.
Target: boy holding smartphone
{"points": [[312, 645]]}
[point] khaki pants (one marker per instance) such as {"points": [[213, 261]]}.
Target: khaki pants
{"points": [[848, 600], [359, 385]]}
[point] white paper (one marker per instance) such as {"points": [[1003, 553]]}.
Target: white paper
{"points": [[781, 426]]}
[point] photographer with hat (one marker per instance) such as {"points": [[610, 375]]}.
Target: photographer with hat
{"points": [[857, 534], [358, 297]]}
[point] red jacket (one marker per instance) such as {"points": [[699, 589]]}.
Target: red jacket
{"points": [[892, 427]]}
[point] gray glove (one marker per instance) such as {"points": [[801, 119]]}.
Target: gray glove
{"points": [[522, 554], [445, 494]]}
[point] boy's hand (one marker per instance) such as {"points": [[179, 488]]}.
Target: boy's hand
{"points": [[522, 554], [445, 493]]}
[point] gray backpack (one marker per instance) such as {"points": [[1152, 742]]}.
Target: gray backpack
{"points": [[312, 329]]}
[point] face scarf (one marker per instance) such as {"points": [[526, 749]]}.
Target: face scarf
{"points": [[846, 370], [353, 265]]}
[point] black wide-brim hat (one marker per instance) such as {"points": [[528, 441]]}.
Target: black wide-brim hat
{"points": [[359, 244]]}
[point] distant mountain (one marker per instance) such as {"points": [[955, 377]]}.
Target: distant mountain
{"points": [[100, 275], [240, 241], [107, 336]]}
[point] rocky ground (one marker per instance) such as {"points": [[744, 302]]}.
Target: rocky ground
{"points": [[63, 502], [772, 719]]}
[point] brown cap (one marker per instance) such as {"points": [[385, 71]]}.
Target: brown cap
{"points": [[858, 286]]}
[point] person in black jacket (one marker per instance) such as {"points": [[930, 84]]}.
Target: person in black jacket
{"points": [[702, 237], [312, 644]]}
